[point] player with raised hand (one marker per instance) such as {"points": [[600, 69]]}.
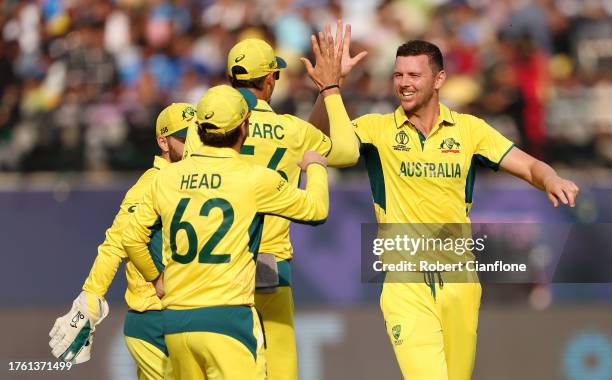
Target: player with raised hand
{"points": [[212, 206], [72, 334], [421, 162], [320, 119], [278, 142]]}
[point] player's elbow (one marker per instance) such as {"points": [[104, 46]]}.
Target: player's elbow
{"points": [[322, 210], [345, 157], [318, 207], [318, 217], [352, 157]]}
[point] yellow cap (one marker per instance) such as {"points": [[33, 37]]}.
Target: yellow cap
{"points": [[225, 107], [256, 57], [175, 119]]}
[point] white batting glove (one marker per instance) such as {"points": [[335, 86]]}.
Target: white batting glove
{"points": [[72, 334]]}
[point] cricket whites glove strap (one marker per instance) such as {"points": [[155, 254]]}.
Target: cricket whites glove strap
{"points": [[72, 334]]}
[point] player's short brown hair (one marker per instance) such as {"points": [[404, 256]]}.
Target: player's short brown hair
{"points": [[218, 140], [256, 83], [420, 47]]}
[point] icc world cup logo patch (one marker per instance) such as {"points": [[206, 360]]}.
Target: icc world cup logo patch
{"points": [[402, 139]]}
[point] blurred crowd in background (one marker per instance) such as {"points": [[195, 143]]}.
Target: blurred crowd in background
{"points": [[82, 81]]}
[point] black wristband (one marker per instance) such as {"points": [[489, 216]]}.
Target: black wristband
{"points": [[329, 88]]}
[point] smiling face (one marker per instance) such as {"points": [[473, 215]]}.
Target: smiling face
{"points": [[415, 82]]}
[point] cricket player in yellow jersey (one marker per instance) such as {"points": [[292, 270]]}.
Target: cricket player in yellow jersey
{"points": [[143, 325], [278, 142], [421, 160], [212, 206]]}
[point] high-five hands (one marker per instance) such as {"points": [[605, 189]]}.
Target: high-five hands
{"points": [[332, 58], [348, 62]]}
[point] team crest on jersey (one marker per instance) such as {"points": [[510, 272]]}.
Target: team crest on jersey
{"points": [[397, 331], [450, 145], [188, 113], [401, 138]]}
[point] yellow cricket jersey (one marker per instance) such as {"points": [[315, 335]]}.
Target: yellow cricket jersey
{"points": [[426, 180], [278, 142], [212, 206], [140, 294]]}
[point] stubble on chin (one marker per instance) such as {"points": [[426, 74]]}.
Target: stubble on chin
{"points": [[174, 156]]}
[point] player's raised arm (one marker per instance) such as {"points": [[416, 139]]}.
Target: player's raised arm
{"points": [[326, 75], [137, 235], [541, 175], [319, 115], [275, 196]]}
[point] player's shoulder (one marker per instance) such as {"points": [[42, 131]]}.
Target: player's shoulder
{"points": [[269, 116], [142, 184], [294, 123], [369, 126], [464, 120], [250, 173], [260, 173], [373, 119]]}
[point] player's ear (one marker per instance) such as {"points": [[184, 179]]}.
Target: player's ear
{"points": [[270, 81], [244, 128], [244, 131], [162, 142], [439, 80]]}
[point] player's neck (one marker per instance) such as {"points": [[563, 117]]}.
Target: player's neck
{"points": [[426, 117], [261, 94], [241, 140]]}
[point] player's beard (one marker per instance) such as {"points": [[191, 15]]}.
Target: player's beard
{"points": [[174, 154], [422, 98]]}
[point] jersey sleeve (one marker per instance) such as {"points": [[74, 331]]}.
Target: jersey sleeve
{"points": [[345, 146], [490, 146], [310, 138], [110, 252], [138, 232], [274, 195]]}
